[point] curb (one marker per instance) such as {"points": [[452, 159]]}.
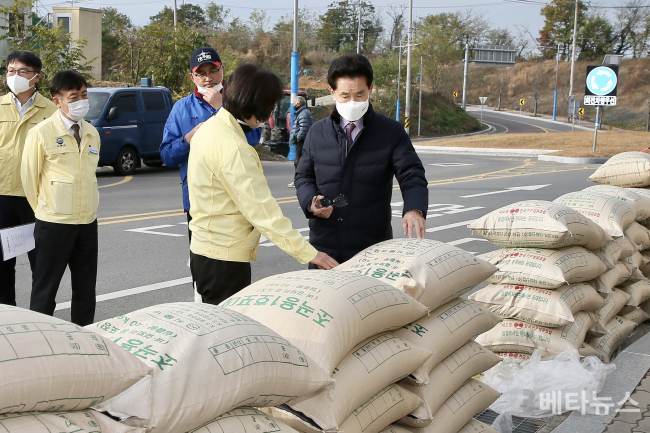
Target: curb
{"points": [[485, 131], [631, 366], [554, 122], [572, 160], [483, 151]]}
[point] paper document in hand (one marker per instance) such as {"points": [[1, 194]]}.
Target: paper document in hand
{"points": [[17, 240]]}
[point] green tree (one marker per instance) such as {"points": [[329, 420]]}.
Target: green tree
{"points": [[164, 53], [53, 45], [216, 16], [114, 27], [191, 15], [558, 21], [339, 26], [596, 37]]}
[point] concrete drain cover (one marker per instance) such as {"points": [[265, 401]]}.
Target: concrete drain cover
{"points": [[521, 425]]}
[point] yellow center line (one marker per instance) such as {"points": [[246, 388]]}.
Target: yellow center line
{"points": [[140, 219], [140, 214], [125, 180]]}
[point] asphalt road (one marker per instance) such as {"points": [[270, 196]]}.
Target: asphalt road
{"points": [[508, 124], [143, 230]]}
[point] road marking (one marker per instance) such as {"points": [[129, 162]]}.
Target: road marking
{"points": [[450, 164], [450, 226], [134, 291], [510, 189], [149, 230], [140, 219], [125, 180], [439, 209], [465, 240], [527, 124]]}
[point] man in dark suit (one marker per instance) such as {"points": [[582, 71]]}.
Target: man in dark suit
{"points": [[349, 159]]}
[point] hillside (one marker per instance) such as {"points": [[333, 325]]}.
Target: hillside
{"points": [[522, 80]]}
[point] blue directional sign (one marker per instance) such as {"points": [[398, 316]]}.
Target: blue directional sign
{"points": [[601, 80]]}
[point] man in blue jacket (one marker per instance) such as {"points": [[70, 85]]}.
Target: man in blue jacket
{"points": [[299, 129], [187, 115]]}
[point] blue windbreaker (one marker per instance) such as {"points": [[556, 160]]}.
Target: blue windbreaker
{"points": [[174, 150]]}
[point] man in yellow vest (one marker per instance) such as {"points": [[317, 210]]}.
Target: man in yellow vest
{"points": [[58, 174], [20, 111]]}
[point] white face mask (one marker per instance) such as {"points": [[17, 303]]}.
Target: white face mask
{"points": [[18, 84], [203, 90], [353, 110], [78, 109]]}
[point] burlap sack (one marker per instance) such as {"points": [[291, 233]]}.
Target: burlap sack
{"points": [[394, 428], [84, 421], [610, 253], [627, 169], [326, 313], [641, 202], [619, 328], [209, 360], [449, 375], [244, 420], [639, 234], [639, 292], [513, 357], [539, 224], [634, 314], [387, 406], [550, 308], [470, 399], [445, 330], [430, 271], [614, 302], [611, 213], [543, 268], [606, 282], [634, 263], [48, 364], [476, 426], [587, 350], [520, 337], [645, 266], [371, 366]]}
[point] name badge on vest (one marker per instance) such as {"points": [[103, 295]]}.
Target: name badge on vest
{"points": [[93, 151]]}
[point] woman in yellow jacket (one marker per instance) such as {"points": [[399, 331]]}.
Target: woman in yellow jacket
{"points": [[230, 201]]}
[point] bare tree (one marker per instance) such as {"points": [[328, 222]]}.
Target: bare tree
{"points": [[536, 85], [396, 14], [503, 81], [630, 25]]}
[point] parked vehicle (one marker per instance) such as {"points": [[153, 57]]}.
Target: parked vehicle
{"points": [[130, 122]]}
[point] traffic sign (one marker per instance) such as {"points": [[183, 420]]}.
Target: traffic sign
{"points": [[601, 81], [482, 99], [522, 102], [581, 111], [600, 100], [574, 106], [455, 94]]}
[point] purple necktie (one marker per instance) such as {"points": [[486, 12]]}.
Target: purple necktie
{"points": [[348, 131]]}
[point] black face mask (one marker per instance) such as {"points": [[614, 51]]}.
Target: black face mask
{"points": [[296, 107]]}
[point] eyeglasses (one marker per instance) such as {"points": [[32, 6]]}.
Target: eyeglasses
{"points": [[337, 202], [21, 72], [212, 73]]}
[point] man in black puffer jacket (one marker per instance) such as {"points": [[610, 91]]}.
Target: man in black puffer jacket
{"points": [[350, 159]]}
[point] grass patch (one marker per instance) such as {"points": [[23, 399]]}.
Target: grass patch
{"points": [[576, 143]]}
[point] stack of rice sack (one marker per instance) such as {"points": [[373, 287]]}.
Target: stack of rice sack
{"points": [[52, 372], [541, 289], [208, 362], [383, 345]]}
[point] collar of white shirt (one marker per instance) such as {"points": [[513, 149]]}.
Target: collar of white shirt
{"points": [[22, 108], [68, 124], [357, 123]]}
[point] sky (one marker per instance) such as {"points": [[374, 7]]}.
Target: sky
{"points": [[502, 13]]}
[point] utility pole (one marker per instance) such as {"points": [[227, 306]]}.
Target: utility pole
{"points": [[573, 50], [407, 110], [175, 14], [294, 75], [596, 126], [557, 66], [399, 81], [359, 31], [464, 105], [420, 102]]}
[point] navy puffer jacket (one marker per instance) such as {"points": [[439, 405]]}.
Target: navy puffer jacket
{"points": [[365, 178]]}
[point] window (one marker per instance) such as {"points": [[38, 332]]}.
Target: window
{"points": [[125, 103], [97, 100], [153, 101], [63, 20]]}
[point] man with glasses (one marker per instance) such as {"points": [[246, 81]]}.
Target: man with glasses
{"points": [[20, 111]]}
